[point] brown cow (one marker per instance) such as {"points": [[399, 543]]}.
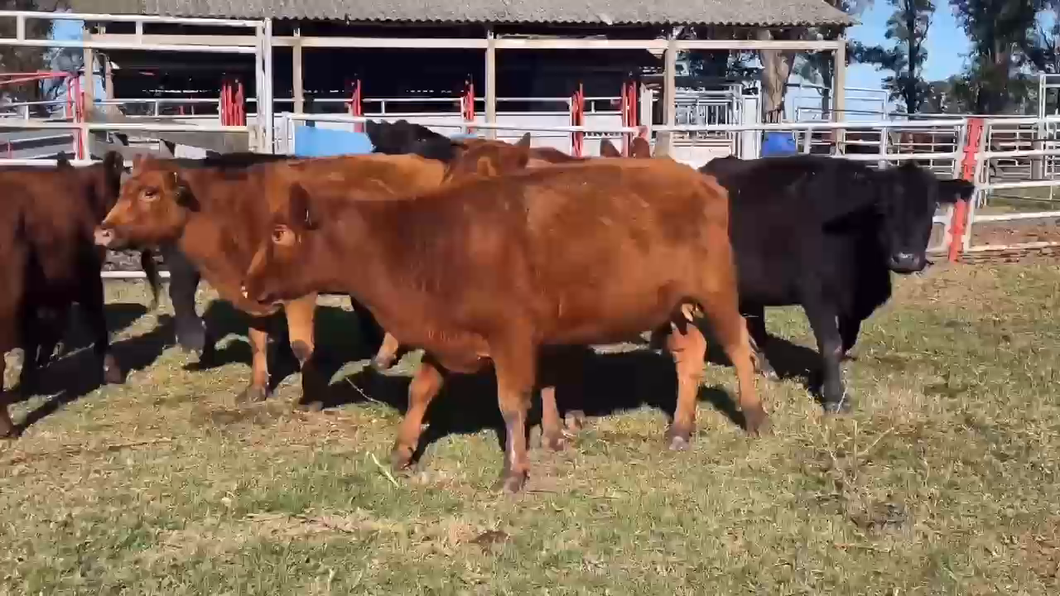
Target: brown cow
{"points": [[49, 262], [491, 158], [566, 255], [217, 217]]}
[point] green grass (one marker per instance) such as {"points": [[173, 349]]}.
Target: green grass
{"points": [[944, 480]]}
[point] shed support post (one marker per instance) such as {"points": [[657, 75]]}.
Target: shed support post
{"points": [[296, 69], [839, 81], [669, 90], [491, 83]]}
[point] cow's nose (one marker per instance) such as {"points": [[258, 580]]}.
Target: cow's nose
{"points": [[904, 262], [103, 236]]}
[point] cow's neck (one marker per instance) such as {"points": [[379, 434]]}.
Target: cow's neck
{"points": [[220, 236], [369, 251]]}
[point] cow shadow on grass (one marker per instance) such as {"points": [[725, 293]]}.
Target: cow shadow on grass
{"points": [[338, 340], [608, 383], [77, 372]]}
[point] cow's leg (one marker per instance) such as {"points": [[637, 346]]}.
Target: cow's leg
{"points": [[849, 327], [515, 366], [7, 427], [563, 367], [94, 310], [300, 316], [31, 331], [192, 334], [825, 327], [688, 348], [756, 326], [551, 429], [425, 386], [372, 334], [730, 328], [258, 337], [51, 336], [387, 353]]}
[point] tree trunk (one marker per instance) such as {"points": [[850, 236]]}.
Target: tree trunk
{"points": [[776, 68]]}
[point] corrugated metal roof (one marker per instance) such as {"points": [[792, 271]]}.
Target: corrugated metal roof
{"points": [[619, 12]]}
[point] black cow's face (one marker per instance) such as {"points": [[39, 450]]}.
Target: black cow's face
{"points": [[913, 195]]}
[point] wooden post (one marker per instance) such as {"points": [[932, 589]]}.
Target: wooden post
{"points": [[669, 93], [491, 82], [299, 90], [89, 57], [839, 81]]}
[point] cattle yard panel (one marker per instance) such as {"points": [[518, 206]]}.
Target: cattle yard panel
{"points": [[1015, 192], [260, 49]]}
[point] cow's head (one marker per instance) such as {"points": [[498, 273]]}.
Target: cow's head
{"points": [[490, 158], [911, 196], [151, 209], [284, 264]]}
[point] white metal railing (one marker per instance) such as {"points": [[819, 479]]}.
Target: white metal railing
{"points": [[986, 185]]}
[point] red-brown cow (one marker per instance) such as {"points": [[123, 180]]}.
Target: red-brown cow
{"points": [[49, 262], [500, 267], [218, 216]]}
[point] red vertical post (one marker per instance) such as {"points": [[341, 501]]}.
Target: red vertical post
{"points": [[960, 210], [356, 107], [469, 104], [240, 105], [577, 118], [225, 101]]}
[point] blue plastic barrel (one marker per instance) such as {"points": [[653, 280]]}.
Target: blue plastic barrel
{"points": [[779, 143]]}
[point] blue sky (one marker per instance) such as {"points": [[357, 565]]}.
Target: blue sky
{"points": [[946, 44]]}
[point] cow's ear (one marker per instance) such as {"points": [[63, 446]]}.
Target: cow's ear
{"points": [[182, 191], [640, 148], [299, 213], [524, 142], [950, 191], [608, 149]]}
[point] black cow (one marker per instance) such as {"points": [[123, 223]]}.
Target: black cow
{"points": [[403, 137], [825, 233]]}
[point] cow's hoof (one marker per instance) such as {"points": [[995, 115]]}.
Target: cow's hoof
{"points": [[7, 427], [252, 394], [512, 482], [574, 421], [678, 440], [556, 442], [192, 340], [309, 406], [756, 421], [839, 407], [381, 364], [769, 374], [401, 458]]}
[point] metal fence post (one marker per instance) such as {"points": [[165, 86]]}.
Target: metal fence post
{"points": [[968, 171]]}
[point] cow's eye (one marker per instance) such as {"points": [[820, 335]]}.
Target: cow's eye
{"points": [[283, 236], [150, 194]]}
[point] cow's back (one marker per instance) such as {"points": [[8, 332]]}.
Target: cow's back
{"points": [[572, 246], [791, 228]]}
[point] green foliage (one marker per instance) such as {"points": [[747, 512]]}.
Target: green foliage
{"points": [[907, 28]]}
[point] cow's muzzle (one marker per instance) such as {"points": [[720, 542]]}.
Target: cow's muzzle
{"points": [[903, 262], [104, 237]]}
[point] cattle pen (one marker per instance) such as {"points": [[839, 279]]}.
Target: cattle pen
{"points": [[943, 479]]}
